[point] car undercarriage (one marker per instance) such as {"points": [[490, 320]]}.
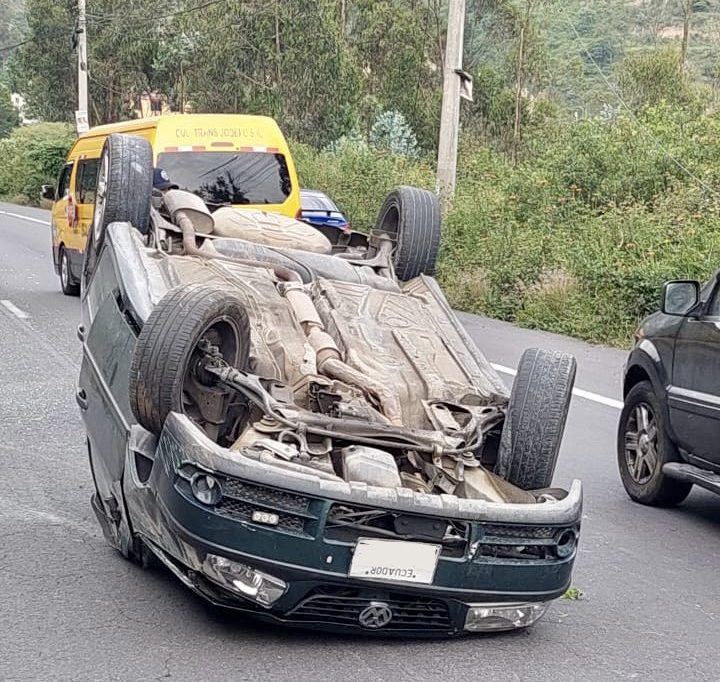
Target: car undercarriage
{"points": [[301, 429]]}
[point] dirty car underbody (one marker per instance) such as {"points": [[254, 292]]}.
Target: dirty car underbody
{"points": [[340, 475]]}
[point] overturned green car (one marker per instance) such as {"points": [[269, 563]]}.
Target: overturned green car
{"points": [[297, 426]]}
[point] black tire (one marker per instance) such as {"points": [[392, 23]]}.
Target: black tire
{"points": [[165, 346], [411, 217], [641, 464], [69, 285], [124, 190], [535, 420]]}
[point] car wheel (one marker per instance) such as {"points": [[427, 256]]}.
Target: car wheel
{"points": [[644, 447], [162, 372], [67, 283], [411, 218], [124, 189], [535, 420]]}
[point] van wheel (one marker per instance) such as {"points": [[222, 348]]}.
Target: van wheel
{"points": [[69, 285], [411, 218], [535, 421]]}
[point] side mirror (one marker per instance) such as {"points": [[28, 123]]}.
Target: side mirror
{"points": [[680, 296], [48, 192]]}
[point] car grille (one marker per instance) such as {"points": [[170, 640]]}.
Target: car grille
{"points": [[347, 523], [345, 606], [267, 497], [239, 509], [501, 542], [516, 542], [510, 531], [240, 500]]}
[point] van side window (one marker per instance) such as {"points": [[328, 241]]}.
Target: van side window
{"points": [[64, 181], [86, 180]]}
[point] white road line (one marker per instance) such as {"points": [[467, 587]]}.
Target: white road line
{"points": [[579, 392], [14, 309], [26, 217]]}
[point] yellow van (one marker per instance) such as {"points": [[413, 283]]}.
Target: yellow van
{"points": [[224, 158]]}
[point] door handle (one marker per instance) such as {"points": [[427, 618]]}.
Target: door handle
{"points": [[81, 333], [81, 399]]}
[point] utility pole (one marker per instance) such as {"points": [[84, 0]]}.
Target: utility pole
{"points": [[518, 94], [81, 115], [450, 113], [687, 10]]}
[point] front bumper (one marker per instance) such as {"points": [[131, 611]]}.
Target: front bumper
{"points": [[501, 560]]}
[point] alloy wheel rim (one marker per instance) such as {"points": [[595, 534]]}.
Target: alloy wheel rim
{"points": [[100, 194], [64, 274], [641, 444]]}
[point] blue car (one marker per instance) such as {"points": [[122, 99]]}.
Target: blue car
{"points": [[319, 210]]}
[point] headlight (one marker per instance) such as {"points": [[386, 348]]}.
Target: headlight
{"points": [[495, 617], [261, 587]]}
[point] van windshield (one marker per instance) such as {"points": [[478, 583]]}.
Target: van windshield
{"points": [[229, 177]]}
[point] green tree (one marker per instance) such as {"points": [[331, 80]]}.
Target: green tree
{"points": [[397, 46], [122, 43], [43, 70], [12, 24], [9, 118], [286, 59], [649, 78]]}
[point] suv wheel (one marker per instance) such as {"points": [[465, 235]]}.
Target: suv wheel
{"points": [[644, 447]]}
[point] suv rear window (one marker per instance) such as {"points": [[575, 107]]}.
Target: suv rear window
{"points": [[229, 177]]}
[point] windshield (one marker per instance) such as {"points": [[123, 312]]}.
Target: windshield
{"points": [[229, 177], [316, 202]]}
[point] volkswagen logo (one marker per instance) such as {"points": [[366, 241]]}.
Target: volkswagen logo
{"points": [[375, 616]]}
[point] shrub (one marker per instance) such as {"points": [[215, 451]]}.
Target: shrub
{"points": [[579, 238], [392, 133], [32, 156], [359, 178]]}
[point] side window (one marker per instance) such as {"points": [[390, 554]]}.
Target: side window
{"points": [[63, 188], [86, 180]]}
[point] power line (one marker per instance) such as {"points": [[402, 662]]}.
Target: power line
{"points": [[7, 48], [642, 127], [98, 18]]}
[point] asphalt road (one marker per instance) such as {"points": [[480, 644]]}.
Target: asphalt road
{"points": [[72, 609]]}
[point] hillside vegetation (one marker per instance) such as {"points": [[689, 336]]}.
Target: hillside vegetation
{"points": [[589, 165]]}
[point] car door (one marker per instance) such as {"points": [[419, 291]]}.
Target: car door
{"points": [[108, 343], [694, 396], [85, 186], [58, 215]]}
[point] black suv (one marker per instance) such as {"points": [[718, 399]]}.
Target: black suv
{"points": [[669, 432]]}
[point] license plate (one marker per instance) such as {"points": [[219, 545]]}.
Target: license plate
{"points": [[394, 561]]}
